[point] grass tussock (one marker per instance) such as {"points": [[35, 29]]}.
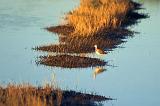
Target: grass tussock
{"points": [[93, 15], [79, 44], [27, 95]]}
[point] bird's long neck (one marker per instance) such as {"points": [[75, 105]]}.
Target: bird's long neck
{"points": [[95, 47]]}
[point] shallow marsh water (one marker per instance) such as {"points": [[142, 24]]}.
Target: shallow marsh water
{"points": [[135, 80]]}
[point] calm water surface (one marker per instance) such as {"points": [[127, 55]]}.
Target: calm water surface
{"points": [[135, 80]]}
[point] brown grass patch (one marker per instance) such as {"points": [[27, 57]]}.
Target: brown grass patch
{"points": [[94, 15], [27, 95], [107, 40], [80, 45]]}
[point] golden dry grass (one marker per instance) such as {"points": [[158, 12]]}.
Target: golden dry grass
{"points": [[26, 95], [100, 22], [93, 15]]}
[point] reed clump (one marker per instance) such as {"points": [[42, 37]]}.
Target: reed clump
{"points": [[94, 15]]}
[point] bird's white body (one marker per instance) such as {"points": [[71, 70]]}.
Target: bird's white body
{"points": [[99, 51]]}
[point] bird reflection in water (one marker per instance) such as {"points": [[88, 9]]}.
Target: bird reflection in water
{"points": [[98, 70]]}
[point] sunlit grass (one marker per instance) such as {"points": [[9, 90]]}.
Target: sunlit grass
{"points": [[27, 95], [94, 15], [95, 22]]}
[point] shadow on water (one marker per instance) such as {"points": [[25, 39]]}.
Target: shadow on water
{"points": [[68, 61], [72, 98]]}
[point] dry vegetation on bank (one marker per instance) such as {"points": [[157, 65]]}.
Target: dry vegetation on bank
{"points": [[96, 17], [93, 15], [27, 95]]}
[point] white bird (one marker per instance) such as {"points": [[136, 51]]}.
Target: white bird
{"points": [[99, 51]]}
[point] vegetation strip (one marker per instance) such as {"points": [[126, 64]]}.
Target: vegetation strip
{"points": [[95, 22], [27, 95]]}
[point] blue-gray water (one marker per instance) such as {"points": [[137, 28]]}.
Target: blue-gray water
{"points": [[135, 80]]}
